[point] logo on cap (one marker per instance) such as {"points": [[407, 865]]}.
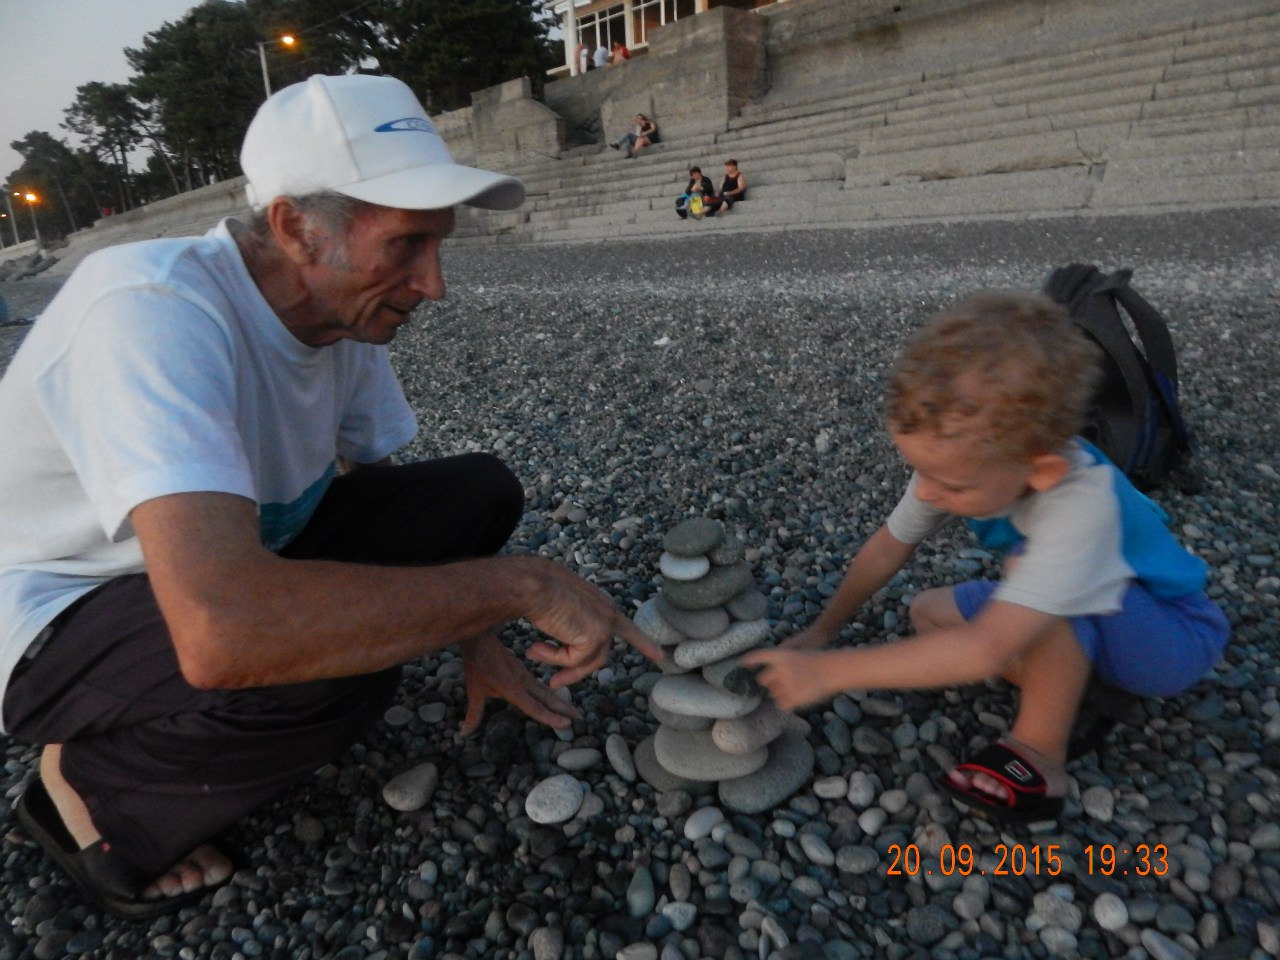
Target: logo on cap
{"points": [[406, 123]]}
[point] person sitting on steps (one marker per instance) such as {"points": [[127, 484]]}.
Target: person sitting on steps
{"points": [[642, 134], [732, 189], [699, 186]]}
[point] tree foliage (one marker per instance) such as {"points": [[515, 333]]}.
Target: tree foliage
{"points": [[72, 185], [198, 81]]}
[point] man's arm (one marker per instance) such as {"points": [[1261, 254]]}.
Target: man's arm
{"points": [[240, 616]]}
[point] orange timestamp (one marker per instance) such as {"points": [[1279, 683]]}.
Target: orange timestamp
{"points": [[1027, 859]]}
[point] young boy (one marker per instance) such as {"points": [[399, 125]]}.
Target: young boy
{"points": [[984, 407]]}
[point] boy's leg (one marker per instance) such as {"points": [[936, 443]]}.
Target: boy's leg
{"points": [[1051, 678], [161, 765]]}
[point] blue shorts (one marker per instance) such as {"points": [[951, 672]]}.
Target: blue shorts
{"points": [[1151, 647]]}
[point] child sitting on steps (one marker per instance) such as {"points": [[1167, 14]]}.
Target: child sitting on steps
{"points": [[984, 407]]}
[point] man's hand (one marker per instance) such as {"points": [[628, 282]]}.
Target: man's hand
{"points": [[792, 677], [492, 670], [583, 621]]}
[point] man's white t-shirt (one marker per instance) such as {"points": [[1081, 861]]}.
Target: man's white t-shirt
{"points": [[157, 369]]}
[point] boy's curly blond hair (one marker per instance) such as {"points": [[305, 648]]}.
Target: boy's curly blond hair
{"points": [[1009, 369]]}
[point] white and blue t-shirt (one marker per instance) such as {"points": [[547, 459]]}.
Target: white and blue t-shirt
{"points": [[157, 369], [1080, 543]]}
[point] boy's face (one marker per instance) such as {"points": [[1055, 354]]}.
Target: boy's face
{"points": [[960, 476]]}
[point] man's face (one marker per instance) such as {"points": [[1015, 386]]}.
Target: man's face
{"points": [[390, 264]]}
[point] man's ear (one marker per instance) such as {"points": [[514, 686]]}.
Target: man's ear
{"points": [[291, 231], [1047, 471]]}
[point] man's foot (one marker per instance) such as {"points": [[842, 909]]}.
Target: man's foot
{"points": [[60, 822], [615, 146], [1009, 781]]}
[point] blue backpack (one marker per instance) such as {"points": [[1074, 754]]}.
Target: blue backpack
{"points": [[1135, 418]]}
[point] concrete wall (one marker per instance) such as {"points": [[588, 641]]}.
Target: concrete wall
{"points": [[810, 42], [503, 127], [696, 75]]}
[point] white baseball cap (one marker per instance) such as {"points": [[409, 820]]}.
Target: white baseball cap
{"points": [[364, 137]]}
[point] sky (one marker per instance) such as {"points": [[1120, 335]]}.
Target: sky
{"points": [[50, 47]]}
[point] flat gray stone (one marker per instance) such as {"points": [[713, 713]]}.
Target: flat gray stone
{"points": [[683, 568], [576, 759], [694, 624], [788, 768], [716, 589], [715, 673], [679, 720], [656, 627], [693, 754], [668, 663], [693, 537], [739, 638], [750, 604], [661, 779], [694, 697], [757, 729], [555, 799], [729, 551], [412, 789], [619, 756]]}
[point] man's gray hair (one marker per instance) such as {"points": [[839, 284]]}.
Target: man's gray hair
{"points": [[327, 212]]}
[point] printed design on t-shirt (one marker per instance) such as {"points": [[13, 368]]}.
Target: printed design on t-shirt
{"points": [[997, 534], [278, 523]]}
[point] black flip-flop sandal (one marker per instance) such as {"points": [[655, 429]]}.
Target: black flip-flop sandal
{"points": [[1025, 800], [1101, 708], [107, 879]]}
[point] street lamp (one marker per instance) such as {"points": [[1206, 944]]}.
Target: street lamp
{"points": [[32, 200], [287, 40]]}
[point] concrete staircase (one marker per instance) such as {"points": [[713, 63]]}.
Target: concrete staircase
{"points": [[1179, 116]]}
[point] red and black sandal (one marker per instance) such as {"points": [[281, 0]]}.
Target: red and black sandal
{"points": [[1025, 800]]}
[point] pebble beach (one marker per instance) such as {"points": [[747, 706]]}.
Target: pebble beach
{"points": [[637, 383]]}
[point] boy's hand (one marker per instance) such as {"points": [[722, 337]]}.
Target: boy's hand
{"points": [[792, 677], [810, 639]]}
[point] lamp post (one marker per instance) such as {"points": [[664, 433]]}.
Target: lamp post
{"points": [[288, 41], [32, 200]]}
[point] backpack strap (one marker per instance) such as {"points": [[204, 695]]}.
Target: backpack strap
{"points": [[1157, 347], [1086, 292]]}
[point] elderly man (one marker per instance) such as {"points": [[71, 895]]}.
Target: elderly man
{"points": [[209, 570]]}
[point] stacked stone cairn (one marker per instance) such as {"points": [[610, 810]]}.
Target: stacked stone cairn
{"points": [[717, 727]]}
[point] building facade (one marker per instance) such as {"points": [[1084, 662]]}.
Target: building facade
{"points": [[586, 25]]}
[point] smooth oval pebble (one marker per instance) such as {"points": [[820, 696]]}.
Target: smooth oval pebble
{"points": [[655, 626], [683, 568], [714, 590], [693, 754], [694, 624], [619, 756], [750, 604], [555, 799], [579, 758], [739, 638], [412, 789], [700, 823], [790, 764], [694, 697], [693, 537], [1110, 912]]}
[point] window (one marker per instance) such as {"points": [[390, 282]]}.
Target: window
{"points": [[602, 27], [651, 14]]}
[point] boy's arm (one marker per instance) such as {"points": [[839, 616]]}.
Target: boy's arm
{"points": [[984, 647], [873, 566]]}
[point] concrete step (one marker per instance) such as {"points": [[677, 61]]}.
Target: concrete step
{"points": [[1020, 78], [1214, 189]]}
